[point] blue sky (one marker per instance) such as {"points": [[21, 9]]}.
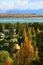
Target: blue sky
{"points": [[21, 4]]}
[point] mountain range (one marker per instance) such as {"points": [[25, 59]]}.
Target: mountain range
{"points": [[40, 11]]}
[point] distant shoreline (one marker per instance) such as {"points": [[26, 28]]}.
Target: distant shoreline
{"points": [[20, 15]]}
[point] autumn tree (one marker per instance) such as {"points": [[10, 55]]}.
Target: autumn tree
{"points": [[6, 63], [25, 55]]}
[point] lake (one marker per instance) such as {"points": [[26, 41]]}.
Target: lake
{"points": [[14, 20]]}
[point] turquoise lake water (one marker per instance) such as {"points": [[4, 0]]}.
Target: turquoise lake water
{"points": [[14, 20]]}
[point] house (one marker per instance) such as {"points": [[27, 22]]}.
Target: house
{"points": [[16, 46]]}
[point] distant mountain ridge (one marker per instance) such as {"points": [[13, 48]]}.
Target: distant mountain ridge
{"points": [[40, 11], [26, 11]]}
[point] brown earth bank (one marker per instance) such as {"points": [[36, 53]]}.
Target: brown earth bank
{"points": [[20, 15]]}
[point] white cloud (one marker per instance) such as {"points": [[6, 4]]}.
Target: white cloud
{"points": [[6, 5], [26, 4], [21, 4], [36, 5]]}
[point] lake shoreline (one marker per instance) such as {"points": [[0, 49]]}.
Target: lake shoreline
{"points": [[6, 15], [13, 20]]}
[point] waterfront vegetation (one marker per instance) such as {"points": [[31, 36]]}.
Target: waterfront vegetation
{"points": [[21, 43]]}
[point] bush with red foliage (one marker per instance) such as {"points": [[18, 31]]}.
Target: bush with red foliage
{"points": [[6, 63]]}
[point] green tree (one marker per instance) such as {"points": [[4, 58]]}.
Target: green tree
{"points": [[5, 57], [40, 46]]}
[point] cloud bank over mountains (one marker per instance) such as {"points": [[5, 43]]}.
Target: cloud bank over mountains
{"points": [[21, 5]]}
